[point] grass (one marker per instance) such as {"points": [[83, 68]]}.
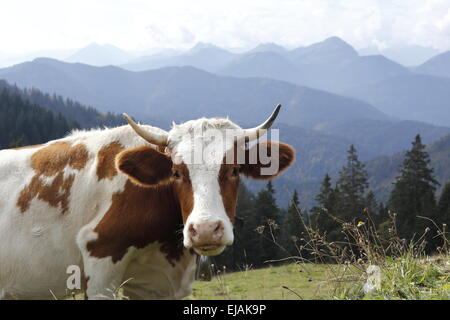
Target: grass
{"points": [[401, 278], [364, 266], [409, 278], [292, 281]]}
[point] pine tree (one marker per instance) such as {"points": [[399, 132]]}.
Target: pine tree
{"points": [[444, 209], [413, 192], [23, 123], [321, 215], [293, 226], [372, 208], [325, 197], [352, 185], [265, 224], [235, 257]]}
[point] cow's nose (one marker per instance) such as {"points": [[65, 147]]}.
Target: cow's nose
{"points": [[207, 232]]}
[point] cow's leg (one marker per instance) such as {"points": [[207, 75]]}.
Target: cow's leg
{"points": [[103, 276]]}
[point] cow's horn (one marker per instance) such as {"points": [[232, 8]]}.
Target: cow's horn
{"points": [[256, 132], [152, 134]]}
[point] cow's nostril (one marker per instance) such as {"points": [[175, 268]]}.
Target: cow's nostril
{"points": [[218, 227], [192, 231], [218, 231]]}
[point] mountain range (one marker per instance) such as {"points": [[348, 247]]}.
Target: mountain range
{"points": [[203, 56], [332, 97], [183, 93], [436, 66], [100, 55], [334, 66]]}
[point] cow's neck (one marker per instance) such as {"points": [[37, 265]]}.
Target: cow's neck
{"points": [[140, 216]]}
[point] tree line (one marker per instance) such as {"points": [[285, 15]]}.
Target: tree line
{"points": [[270, 234], [85, 116], [24, 123]]}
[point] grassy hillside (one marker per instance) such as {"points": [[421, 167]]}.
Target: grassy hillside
{"points": [[293, 281], [403, 278]]}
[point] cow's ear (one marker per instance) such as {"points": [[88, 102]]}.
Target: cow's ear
{"points": [[144, 166], [266, 160]]}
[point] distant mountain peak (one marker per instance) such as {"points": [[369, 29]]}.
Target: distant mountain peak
{"points": [[443, 57], [437, 66], [331, 50], [335, 39], [202, 46], [336, 43], [268, 47], [100, 55], [44, 59]]}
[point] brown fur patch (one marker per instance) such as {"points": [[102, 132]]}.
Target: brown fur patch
{"points": [[151, 207], [137, 217], [145, 166], [228, 189], [51, 162], [55, 157], [183, 187], [106, 168]]}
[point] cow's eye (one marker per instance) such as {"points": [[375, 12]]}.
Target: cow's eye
{"points": [[235, 172], [176, 174]]}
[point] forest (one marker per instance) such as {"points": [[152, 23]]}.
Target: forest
{"points": [[268, 234]]}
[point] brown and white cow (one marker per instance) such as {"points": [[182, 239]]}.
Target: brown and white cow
{"points": [[121, 209]]}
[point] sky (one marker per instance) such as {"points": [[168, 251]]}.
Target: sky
{"points": [[139, 25]]}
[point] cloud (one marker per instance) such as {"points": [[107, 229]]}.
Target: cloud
{"points": [[27, 25]]}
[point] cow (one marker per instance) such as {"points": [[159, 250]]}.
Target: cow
{"points": [[126, 205]]}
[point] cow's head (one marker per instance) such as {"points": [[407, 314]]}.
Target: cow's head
{"points": [[203, 160]]}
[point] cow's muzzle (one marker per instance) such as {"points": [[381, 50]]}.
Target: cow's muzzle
{"points": [[207, 237]]}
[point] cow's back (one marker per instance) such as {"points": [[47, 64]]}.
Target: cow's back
{"points": [[48, 193]]}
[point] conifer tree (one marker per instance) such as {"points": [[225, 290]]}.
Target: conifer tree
{"points": [[234, 257], [265, 223], [352, 185], [444, 209], [321, 215], [413, 192], [293, 226]]}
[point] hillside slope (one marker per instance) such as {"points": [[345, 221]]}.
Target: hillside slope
{"points": [[413, 97], [383, 171], [436, 66], [86, 117], [23, 123]]}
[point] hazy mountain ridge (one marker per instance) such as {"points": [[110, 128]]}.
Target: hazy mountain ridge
{"points": [[406, 55], [335, 66], [415, 97], [183, 93], [100, 55], [203, 56], [437, 66], [330, 122]]}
